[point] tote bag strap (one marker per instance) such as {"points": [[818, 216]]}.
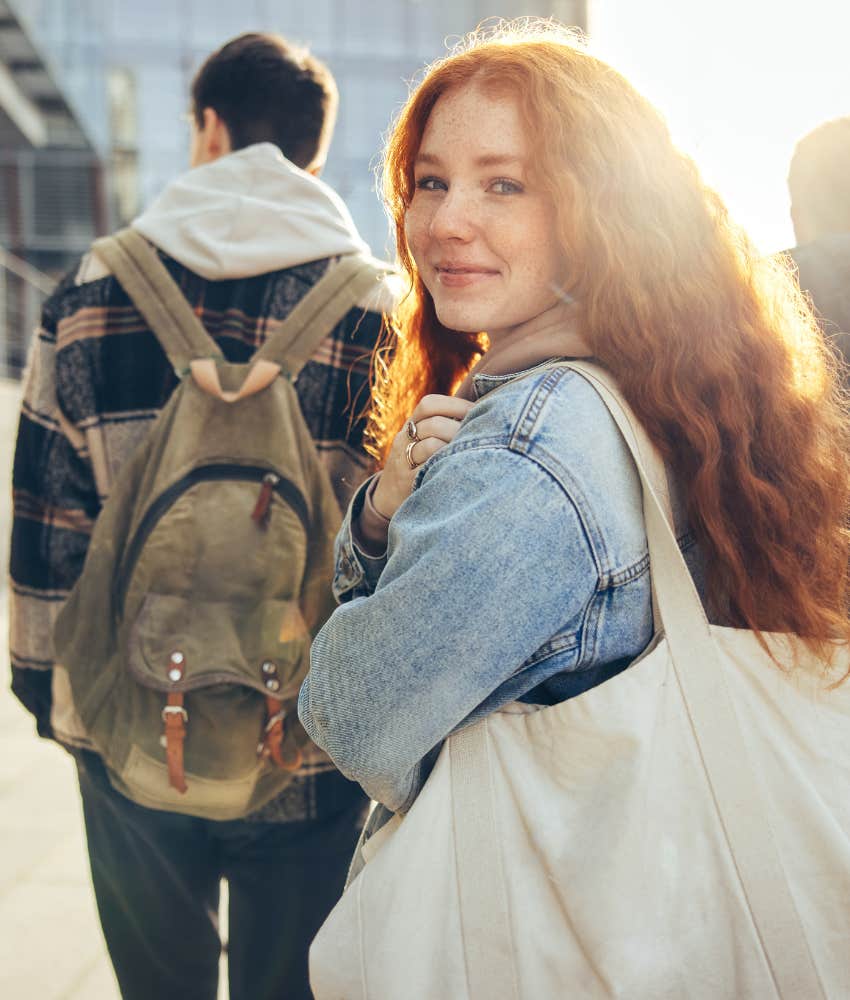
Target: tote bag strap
{"points": [[491, 969], [738, 796]]}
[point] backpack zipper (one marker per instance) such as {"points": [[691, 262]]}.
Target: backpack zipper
{"points": [[262, 508], [270, 482]]}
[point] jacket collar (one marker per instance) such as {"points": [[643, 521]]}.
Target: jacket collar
{"points": [[483, 383]]}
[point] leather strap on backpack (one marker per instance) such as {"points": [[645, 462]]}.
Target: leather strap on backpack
{"points": [[175, 717], [274, 737]]}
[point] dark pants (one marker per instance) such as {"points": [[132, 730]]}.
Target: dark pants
{"points": [[156, 879]]}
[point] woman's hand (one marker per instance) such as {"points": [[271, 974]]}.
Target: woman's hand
{"points": [[437, 419]]}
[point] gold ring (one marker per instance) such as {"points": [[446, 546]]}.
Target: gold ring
{"points": [[412, 432], [408, 452]]}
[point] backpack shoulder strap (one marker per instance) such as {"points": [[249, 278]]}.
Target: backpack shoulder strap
{"points": [[342, 286], [144, 277]]}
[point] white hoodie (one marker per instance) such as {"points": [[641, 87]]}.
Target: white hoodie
{"points": [[249, 213]]}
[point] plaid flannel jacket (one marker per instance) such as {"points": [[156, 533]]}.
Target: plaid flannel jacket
{"points": [[96, 379]]}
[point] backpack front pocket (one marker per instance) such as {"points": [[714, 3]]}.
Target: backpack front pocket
{"points": [[215, 531]]}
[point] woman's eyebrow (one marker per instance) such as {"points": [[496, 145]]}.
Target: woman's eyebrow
{"points": [[499, 160], [427, 158]]}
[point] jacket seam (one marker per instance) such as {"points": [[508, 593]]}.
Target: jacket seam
{"points": [[529, 417], [553, 647], [610, 578]]}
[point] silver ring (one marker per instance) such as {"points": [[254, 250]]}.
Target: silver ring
{"points": [[408, 453], [412, 432]]}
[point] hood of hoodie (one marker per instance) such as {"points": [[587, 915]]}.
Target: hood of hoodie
{"points": [[249, 213]]}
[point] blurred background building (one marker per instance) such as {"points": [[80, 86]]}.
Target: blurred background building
{"points": [[54, 143], [94, 96]]}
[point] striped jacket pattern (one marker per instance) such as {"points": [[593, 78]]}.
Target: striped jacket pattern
{"points": [[95, 381]]}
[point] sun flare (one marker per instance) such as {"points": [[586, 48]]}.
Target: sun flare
{"points": [[739, 83]]}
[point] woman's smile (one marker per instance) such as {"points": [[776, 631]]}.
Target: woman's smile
{"points": [[463, 275]]}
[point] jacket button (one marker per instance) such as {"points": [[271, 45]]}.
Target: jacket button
{"points": [[273, 684]]}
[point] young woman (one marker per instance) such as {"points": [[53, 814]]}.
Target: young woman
{"points": [[543, 213]]}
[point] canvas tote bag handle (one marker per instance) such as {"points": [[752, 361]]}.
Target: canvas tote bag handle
{"points": [[738, 796]]}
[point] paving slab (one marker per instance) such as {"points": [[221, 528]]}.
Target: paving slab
{"points": [[51, 944]]}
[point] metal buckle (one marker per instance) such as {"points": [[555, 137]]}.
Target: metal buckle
{"points": [[172, 710]]}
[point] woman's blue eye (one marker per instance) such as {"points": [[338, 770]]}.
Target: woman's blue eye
{"points": [[505, 186], [429, 184]]}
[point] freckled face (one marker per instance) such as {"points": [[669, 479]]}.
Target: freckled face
{"points": [[480, 229]]}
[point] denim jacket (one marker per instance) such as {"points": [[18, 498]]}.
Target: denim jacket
{"points": [[517, 569]]}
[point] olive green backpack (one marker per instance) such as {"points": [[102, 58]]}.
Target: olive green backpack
{"points": [[209, 570]]}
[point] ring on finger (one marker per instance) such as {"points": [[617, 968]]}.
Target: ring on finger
{"points": [[408, 454], [412, 432]]}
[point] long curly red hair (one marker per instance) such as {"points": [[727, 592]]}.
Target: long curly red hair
{"points": [[712, 344]]}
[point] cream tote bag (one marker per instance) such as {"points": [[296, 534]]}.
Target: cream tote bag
{"points": [[682, 831]]}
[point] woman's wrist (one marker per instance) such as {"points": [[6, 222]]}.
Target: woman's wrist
{"points": [[371, 527], [370, 500]]}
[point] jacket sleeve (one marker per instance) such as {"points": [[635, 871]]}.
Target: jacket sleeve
{"points": [[54, 506], [356, 573], [487, 560]]}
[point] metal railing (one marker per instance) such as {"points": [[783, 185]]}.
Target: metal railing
{"points": [[23, 289], [52, 205]]}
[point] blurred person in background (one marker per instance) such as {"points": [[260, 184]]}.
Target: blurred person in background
{"points": [[245, 233], [819, 184]]}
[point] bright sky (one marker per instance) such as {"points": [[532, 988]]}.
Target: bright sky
{"points": [[739, 81]]}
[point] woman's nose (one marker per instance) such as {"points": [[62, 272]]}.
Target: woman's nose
{"points": [[454, 217]]}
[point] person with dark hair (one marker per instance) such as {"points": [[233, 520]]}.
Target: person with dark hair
{"points": [[262, 89], [819, 184], [245, 234]]}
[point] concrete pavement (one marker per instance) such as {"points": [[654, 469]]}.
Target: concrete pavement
{"points": [[51, 946]]}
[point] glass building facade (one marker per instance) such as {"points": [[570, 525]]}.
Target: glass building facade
{"points": [[124, 70], [53, 194], [373, 47]]}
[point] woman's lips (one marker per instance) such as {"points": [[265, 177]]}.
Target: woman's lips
{"points": [[460, 277]]}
